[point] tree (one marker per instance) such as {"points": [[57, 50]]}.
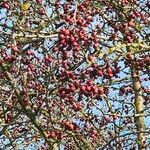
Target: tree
{"points": [[74, 74]]}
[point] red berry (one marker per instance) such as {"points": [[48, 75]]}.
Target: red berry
{"points": [[95, 89], [82, 88], [5, 5], [88, 88], [39, 1]]}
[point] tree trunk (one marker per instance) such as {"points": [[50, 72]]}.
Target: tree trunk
{"points": [[139, 106]]}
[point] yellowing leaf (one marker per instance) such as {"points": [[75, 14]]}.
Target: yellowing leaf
{"points": [[25, 6], [111, 50], [101, 55]]}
